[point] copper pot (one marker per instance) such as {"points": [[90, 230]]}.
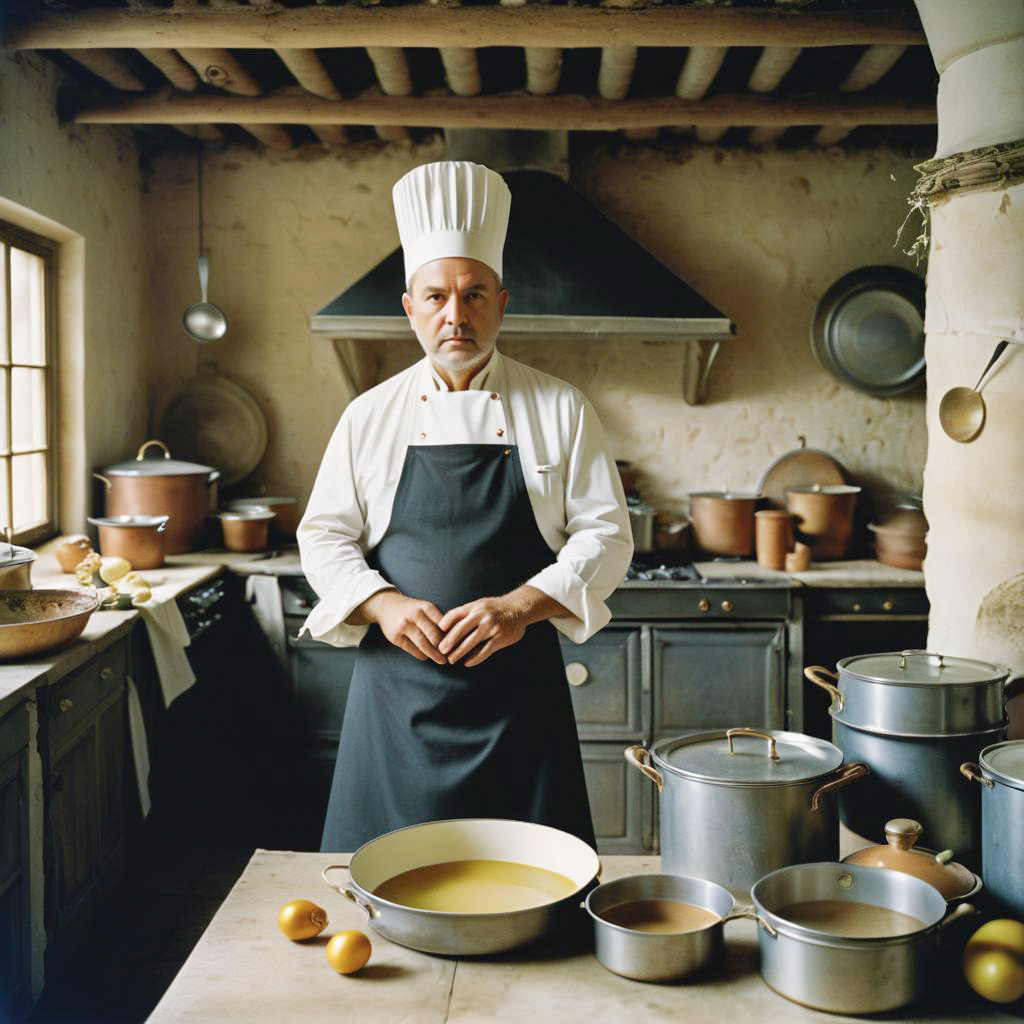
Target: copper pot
{"points": [[723, 523], [184, 491], [286, 511], [246, 529], [139, 539], [824, 517]]}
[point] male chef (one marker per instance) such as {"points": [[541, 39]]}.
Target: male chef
{"points": [[467, 510]]}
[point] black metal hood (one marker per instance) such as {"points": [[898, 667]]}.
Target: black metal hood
{"points": [[570, 272]]}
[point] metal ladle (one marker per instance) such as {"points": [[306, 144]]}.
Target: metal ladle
{"points": [[203, 321], [962, 410]]}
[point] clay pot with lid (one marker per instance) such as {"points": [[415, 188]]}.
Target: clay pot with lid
{"points": [[184, 491], [900, 853]]}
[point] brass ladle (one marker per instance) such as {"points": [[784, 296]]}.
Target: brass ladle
{"points": [[962, 410]]}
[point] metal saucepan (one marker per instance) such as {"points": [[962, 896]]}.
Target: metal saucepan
{"points": [[660, 956], [1000, 770], [641, 522], [850, 975], [735, 804], [438, 842], [962, 410], [16, 567]]}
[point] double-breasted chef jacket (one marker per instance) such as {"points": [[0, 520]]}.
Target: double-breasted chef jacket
{"points": [[411, 463]]}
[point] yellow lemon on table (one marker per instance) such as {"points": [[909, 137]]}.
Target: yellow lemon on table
{"points": [[348, 951], [994, 961]]}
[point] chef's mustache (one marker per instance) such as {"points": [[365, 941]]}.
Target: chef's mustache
{"points": [[461, 335]]}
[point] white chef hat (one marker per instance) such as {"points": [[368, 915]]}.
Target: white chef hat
{"points": [[451, 208]]}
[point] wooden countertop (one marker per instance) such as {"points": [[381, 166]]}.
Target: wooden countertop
{"points": [[244, 970]]}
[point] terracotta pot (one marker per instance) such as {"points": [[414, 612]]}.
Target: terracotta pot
{"points": [[824, 517], [182, 490], [723, 523], [246, 529], [139, 539], [898, 548], [773, 534]]}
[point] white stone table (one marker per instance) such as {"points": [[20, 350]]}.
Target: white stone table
{"points": [[244, 970]]}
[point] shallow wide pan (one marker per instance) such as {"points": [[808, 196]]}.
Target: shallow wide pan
{"points": [[438, 842], [34, 621]]}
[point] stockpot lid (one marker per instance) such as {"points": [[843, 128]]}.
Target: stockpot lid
{"points": [[12, 555], [1005, 762], [917, 668], [742, 757], [166, 466]]}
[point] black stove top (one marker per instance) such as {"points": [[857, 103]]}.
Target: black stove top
{"points": [[647, 569]]}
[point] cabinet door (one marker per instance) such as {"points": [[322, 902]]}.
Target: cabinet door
{"points": [[112, 775], [620, 803], [604, 682], [708, 677]]}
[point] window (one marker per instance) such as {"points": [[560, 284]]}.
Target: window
{"points": [[27, 408]]}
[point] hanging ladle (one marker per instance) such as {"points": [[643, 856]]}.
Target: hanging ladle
{"points": [[203, 321], [962, 410]]}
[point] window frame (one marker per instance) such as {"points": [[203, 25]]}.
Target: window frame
{"points": [[47, 250]]}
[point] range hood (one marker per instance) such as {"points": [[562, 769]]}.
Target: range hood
{"points": [[570, 272]]}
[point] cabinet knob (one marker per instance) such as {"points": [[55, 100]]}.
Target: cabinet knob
{"points": [[727, 605], [704, 605], [576, 672], [888, 605], [65, 704], [106, 672], [856, 606]]}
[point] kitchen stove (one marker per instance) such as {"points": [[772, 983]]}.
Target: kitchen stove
{"points": [[665, 568]]}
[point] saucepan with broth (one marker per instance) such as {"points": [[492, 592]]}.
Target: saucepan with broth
{"points": [[850, 939], [470, 886]]}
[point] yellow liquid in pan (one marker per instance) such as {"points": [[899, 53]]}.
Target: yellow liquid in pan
{"points": [[667, 916], [476, 887], [852, 920]]}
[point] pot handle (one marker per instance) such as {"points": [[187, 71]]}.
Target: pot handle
{"points": [[847, 774], [772, 752], [638, 756], [142, 450], [368, 909], [737, 914], [969, 770], [814, 673], [213, 477], [106, 480], [1014, 688], [961, 910]]}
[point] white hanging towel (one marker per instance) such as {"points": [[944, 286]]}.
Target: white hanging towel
{"points": [[140, 746]]}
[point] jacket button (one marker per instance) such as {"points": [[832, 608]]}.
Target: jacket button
{"points": [[423, 398], [500, 431], [423, 435], [508, 451], [494, 394]]}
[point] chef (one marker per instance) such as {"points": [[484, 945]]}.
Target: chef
{"points": [[467, 511]]}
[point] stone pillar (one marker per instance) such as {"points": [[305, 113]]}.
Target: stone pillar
{"points": [[974, 492]]}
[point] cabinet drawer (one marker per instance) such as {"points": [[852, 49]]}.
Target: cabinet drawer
{"points": [[72, 699], [605, 683], [620, 802], [841, 602]]}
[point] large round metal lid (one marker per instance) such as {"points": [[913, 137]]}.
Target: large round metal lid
{"points": [[142, 465], [916, 668], [12, 555], [1005, 762], [748, 757]]}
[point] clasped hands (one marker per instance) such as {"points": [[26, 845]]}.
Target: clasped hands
{"points": [[473, 631]]}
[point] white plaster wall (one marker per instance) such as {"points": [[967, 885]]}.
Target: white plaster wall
{"points": [[761, 235], [81, 187]]}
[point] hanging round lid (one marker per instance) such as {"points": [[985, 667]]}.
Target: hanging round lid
{"points": [[12, 555], [916, 668], [1005, 762], [166, 466], [748, 757]]}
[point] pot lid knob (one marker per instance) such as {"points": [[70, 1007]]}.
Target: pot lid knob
{"points": [[902, 833]]}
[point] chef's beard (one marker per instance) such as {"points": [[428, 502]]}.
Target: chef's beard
{"points": [[461, 360]]}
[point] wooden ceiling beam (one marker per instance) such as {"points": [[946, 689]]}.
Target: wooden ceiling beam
{"points": [[320, 27], [218, 67], [514, 111], [461, 69], [543, 69], [174, 68], [616, 72], [109, 66], [309, 72], [273, 136]]}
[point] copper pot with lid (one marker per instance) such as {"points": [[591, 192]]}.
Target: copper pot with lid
{"points": [[184, 491], [901, 853]]}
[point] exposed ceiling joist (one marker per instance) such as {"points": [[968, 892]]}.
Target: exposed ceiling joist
{"points": [[513, 111], [419, 26]]}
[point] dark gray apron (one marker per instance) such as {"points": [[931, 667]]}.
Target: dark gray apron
{"points": [[426, 742]]}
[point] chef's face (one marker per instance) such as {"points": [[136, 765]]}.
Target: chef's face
{"points": [[455, 306]]}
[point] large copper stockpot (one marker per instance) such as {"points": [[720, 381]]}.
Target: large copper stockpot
{"points": [[164, 487]]}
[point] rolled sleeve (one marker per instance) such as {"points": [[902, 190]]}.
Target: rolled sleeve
{"points": [[330, 551], [599, 542]]}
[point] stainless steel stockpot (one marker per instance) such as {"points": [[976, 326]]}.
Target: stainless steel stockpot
{"points": [[916, 693], [1000, 770], [439, 842], [649, 956], [735, 804], [849, 975], [16, 567]]}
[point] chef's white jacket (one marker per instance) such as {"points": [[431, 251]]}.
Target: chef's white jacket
{"points": [[571, 479]]}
